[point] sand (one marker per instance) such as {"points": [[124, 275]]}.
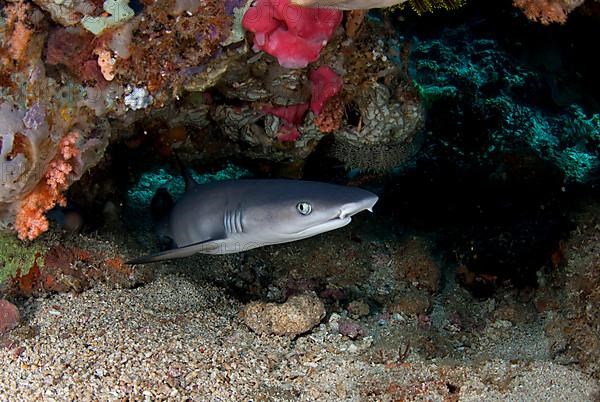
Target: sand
{"points": [[179, 339]]}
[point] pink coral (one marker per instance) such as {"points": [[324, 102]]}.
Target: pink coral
{"points": [[31, 220], [292, 114], [293, 34], [325, 83], [292, 117], [16, 21]]}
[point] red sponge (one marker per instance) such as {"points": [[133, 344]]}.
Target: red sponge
{"points": [[293, 34]]}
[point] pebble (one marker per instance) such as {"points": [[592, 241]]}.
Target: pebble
{"points": [[9, 316]]}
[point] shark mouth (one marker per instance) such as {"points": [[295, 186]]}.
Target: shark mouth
{"points": [[341, 219], [326, 226]]}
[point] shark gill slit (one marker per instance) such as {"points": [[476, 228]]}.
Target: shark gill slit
{"points": [[238, 221], [232, 221], [226, 222]]}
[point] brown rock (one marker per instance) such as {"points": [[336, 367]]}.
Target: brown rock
{"points": [[297, 315], [413, 302], [9, 316], [358, 308], [416, 264]]}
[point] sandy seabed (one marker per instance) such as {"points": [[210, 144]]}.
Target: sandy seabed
{"points": [[176, 339]]}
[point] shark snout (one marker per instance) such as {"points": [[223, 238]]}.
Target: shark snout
{"points": [[352, 208]]}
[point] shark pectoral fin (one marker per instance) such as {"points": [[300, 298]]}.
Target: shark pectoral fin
{"points": [[174, 253]]}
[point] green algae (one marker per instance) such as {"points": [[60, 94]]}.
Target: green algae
{"points": [[16, 255]]}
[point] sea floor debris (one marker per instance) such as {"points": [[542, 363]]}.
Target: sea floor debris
{"points": [[184, 335]]}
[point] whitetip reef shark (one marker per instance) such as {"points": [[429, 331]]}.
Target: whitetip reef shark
{"points": [[237, 215]]}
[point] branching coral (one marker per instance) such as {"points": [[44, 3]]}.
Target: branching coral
{"points": [[30, 219], [17, 14], [547, 11]]}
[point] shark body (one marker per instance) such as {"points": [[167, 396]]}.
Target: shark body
{"points": [[233, 216]]}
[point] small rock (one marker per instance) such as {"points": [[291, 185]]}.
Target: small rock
{"points": [[411, 302], [334, 321], [9, 316], [416, 263], [350, 328], [358, 308], [297, 315]]}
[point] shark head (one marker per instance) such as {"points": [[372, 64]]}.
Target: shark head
{"points": [[233, 216], [303, 209]]}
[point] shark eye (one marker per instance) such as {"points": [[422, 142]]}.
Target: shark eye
{"points": [[304, 208]]}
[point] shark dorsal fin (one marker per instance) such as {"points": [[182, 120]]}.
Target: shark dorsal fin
{"points": [[190, 183]]}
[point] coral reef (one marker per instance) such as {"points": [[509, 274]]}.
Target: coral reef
{"points": [[40, 159], [104, 60], [64, 263], [468, 258], [273, 99], [63, 80], [496, 95]]}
